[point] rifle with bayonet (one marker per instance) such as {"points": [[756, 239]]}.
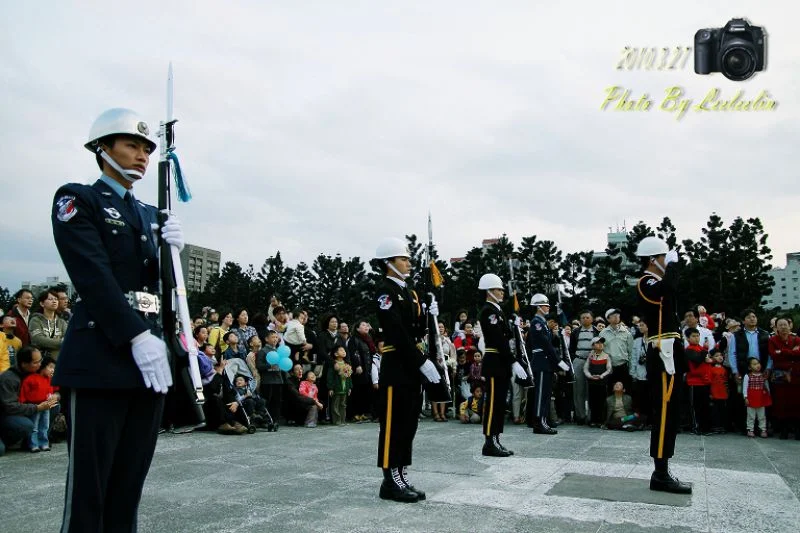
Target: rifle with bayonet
{"points": [[437, 392]]}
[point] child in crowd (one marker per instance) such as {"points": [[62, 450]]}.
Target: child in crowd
{"points": [[719, 394], [309, 389], [460, 383], [234, 351], [458, 327], [35, 389], [596, 369], [474, 377], [756, 397], [471, 410], [253, 404], [340, 384], [619, 410], [698, 379]]}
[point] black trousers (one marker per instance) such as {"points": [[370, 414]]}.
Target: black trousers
{"points": [[700, 408], [666, 410], [399, 407], [597, 401], [272, 393], [641, 400], [359, 401], [719, 414], [542, 390], [494, 405], [111, 437]]}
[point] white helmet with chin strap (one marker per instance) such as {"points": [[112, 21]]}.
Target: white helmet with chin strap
{"points": [[119, 121], [652, 247], [489, 282], [392, 247], [540, 299]]}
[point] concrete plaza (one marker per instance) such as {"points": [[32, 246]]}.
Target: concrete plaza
{"points": [[325, 479]]}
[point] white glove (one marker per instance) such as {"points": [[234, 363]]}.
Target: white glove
{"points": [[150, 355], [172, 232], [563, 366], [434, 309], [518, 322], [671, 257], [518, 371], [428, 370]]}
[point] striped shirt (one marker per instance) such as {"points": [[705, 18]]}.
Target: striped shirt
{"points": [[584, 344]]}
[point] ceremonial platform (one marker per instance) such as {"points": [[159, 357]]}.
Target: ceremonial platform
{"points": [[325, 479]]}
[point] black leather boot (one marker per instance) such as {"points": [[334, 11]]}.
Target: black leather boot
{"points": [[412, 488], [541, 427], [393, 487], [662, 480], [490, 449], [497, 443]]}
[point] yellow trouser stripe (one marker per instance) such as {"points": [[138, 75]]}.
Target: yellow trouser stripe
{"points": [[491, 408], [491, 350], [388, 434], [666, 394]]}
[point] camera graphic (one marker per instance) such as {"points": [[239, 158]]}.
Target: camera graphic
{"points": [[736, 50]]}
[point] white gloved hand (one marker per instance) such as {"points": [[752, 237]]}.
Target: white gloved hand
{"points": [[172, 232], [518, 321], [433, 309], [563, 366], [671, 257], [150, 355], [428, 370], [518, 371]]}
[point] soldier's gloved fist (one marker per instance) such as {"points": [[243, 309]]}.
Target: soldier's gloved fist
{"points": [[428, 370], [150, 355], [518, 371], [563, 366], [172, 232], [671, 257], [518, 322], [433, 309]]}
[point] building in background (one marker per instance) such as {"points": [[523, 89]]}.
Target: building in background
{"points": [[786, 288], [52, 281], [198, 265]]}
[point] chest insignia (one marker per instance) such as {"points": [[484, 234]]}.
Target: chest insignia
{"points": [[538, 326], [114, 222], [384, 301], [65, 208], [493, 319], [112, 212], [652, 281]]}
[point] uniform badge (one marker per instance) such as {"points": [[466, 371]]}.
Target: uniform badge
{"points": [[652, 281], [143, 129], [493, 319], [114, 222], [112, 212], [65, 208], [538, 326], [384, 301]]}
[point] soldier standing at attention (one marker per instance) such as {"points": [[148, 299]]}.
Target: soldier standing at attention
{"points": [[113, 369]]}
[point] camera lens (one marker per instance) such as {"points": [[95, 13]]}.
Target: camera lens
{"points": [[738, 63]]}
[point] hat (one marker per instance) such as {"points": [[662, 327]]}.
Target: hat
{"points": [[611, 312], [598, 339]]}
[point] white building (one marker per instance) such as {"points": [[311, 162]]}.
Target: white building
{"points": [[786, 288]]}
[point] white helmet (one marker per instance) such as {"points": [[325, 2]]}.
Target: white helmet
{"points": [[119, 121], [490, 281], [392, 247], [651, 246], [539, 299]]}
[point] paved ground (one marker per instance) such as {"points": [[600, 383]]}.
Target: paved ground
{"points": [[324, 479]]}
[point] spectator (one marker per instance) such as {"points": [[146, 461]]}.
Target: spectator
{"points": [[200, 334], [309, 389], [450, 352], [22, 312], [599, 323], [46, 328], [361, 349], [280, 320], [261, 324], [580, 346], [326, 340], [698, 379], [10, 344], [597, 369], [467, 341], [274, 303], [461, 382], [254, 405], [638, 368], [252, 363], [474, 376], [471, 409], [272, 381], [15, 417], [299, 408], [719, 395], [619, 410], [213, 319], [340, 385], [35, 389], [458, 327], [619, 347], [235, 349], [219, 417], [295, 339], [216, 337], [748, 343], [63, 310], [711, 324], [784, 349], [243, 330], [756, 397], [691, 320]]}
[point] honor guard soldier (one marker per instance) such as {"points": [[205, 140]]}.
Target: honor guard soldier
{"points": [[666, 363], [544, 361], [498, 364], [113, 369], [402, 368]]}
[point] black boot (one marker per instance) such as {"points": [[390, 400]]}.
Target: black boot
{"points": [[393, 487], [412, 488], [497, 443], [491, 449], [541, 427], [662, 480]]}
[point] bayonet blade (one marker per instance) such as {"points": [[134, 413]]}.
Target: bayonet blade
{"points": [[169, 93]]}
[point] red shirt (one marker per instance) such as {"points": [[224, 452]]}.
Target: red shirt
{"points": [[35, 388], [699, 373], [785, 355], [719, 382]]}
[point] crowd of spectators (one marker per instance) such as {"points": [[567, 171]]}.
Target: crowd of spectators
{"points": [[740, 377]]}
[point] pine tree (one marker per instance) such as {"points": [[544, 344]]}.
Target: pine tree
{"points": [[576, 275]]}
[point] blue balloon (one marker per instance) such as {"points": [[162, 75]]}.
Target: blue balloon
{"points": [[273, 357], [284, 352], [285, 364]]}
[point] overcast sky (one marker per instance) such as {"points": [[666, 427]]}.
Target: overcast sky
{"points": [[311, 127]]}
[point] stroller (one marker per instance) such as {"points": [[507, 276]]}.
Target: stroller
{"points": [[261, 416]]}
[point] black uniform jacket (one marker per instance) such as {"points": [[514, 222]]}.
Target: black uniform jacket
{"points": [[496, 333], [107, 250], [402, 325], [658, 307], [542, 353]]}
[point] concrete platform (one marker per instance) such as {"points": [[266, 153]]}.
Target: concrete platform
{"points": [[325, 479]]}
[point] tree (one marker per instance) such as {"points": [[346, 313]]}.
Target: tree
{"points": [[6, 299], [463, 289], [301, 286], [231, 288], [274, 278], [702, 279], [748, 280], [576, 275]]}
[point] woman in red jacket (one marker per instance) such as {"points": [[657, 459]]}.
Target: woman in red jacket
{"points": [[784, 349]]}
